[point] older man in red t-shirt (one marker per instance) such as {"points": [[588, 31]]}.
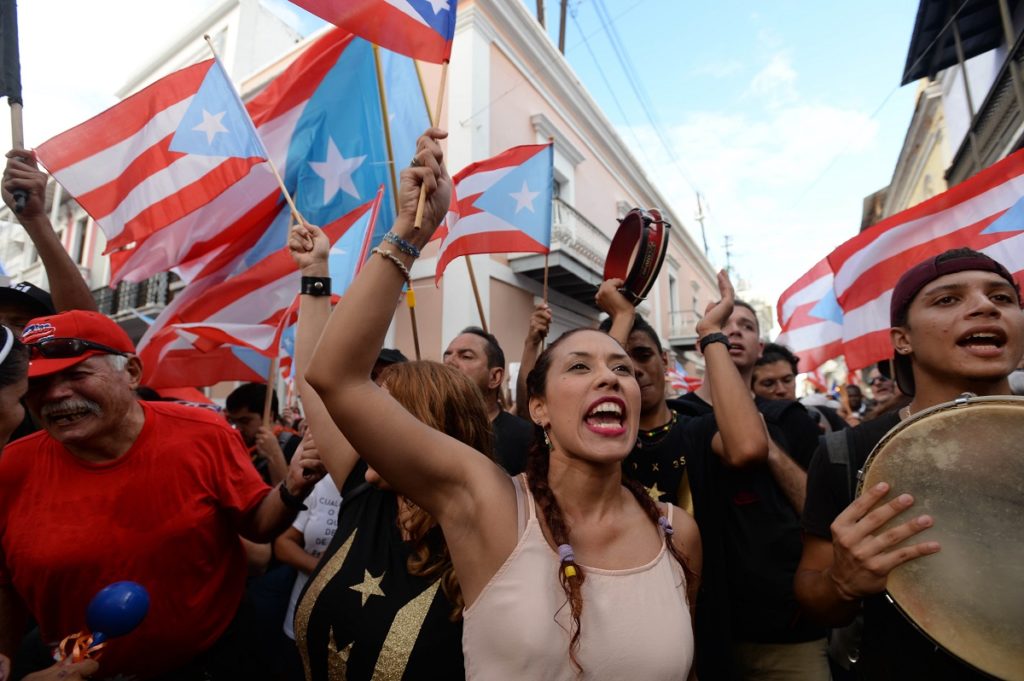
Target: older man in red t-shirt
{"points": [[116, 489]]}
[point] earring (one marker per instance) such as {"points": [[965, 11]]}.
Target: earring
{"points": [[547, 440]]}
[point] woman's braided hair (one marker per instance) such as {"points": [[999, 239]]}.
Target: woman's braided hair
{"points": [[537, 478]]}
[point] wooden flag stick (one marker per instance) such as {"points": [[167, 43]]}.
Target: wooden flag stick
{"points": [[418, 222], [410, 301], [270, 162], [18, 142], [476, 294], [545, 278], [271, 386]]}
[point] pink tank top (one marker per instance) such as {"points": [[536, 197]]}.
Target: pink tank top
{"points": [[635, 622]]}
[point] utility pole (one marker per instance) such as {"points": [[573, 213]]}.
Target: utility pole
{"points": [[728, 254], [700, 218], [561, 26]]}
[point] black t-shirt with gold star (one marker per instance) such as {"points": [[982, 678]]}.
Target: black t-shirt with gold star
{"points": [[362, 615], [660, 457]]}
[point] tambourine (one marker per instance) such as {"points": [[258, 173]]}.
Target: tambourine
{"points": [[963, 462], [637, 252]]}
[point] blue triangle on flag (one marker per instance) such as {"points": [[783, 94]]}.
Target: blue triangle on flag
{"points": [[523, 197], [435, 13], [1010, 221], [828, 308], [216, 123]]}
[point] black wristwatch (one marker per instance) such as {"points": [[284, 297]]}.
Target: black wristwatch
{"points": [[716, 337], [315, 286], [290, 500]]}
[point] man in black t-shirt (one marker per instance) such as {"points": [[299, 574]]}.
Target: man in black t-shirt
{"points": [[477, 354], [753, 518], [957, 326], [745, 518]]}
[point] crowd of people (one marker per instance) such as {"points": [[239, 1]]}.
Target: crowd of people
{"points": [[413, 523]]}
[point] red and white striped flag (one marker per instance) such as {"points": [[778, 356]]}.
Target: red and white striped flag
{"points": [[810, 317], [157, 156], [985, 213]]}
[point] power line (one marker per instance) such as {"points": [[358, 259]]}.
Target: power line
{"points": [[878, 109]]}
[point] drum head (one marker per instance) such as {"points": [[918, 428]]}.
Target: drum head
{"points": [[964, 464]]}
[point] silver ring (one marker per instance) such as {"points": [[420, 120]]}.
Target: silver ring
{"points": [[415, 162]]}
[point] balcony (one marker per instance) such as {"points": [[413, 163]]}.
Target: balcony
{"points": [[576, 261], [682, 333], [996, 124], [129, 302]]}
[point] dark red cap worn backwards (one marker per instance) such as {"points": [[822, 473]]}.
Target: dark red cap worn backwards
{"points": [[922, 274]]}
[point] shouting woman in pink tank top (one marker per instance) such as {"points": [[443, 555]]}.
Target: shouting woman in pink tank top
{"points": [[568, 571]]}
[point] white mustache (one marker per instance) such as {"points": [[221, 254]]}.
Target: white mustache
{"points": [[70, 406]]}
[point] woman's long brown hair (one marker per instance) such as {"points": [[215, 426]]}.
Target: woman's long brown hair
{"points": [[537, 479], [448, 401]]}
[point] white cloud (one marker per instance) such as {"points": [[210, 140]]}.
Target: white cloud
{"points": [[75, 55], [775, 83], [755, 167]]}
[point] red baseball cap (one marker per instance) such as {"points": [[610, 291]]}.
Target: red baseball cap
{"points": [[97, 334]]}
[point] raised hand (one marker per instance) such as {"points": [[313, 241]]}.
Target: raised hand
{"points": [[540, 324], [23, 173], [309, 247], [717, 314], [427, 169], [610, 299], [306, 469], [863, 556]]}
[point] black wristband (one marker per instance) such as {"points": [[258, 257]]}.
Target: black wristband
{"points": [[315, 286], [290, 500], [717, 337]]}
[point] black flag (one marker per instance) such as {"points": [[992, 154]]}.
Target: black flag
{"points": [[10, 67]]}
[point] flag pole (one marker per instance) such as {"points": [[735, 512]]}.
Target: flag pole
{"points": [[433, 121], [410, 301], [476, 294], [271, 386], [270, 162], [387, 126], [18, 142], [410, 297], [546, 278]]}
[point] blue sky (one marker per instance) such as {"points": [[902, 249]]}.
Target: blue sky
{"points": [[769, 107], [770, 111]]}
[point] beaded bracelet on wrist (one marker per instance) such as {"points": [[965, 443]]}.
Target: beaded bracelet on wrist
{"points": [[388, 255], [404, 246]]}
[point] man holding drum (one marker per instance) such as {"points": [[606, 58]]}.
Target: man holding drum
{"points": [[957, 326]]}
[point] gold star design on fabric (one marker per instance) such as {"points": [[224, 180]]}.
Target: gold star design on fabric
{"points": [[652, 492], [370, 586]]}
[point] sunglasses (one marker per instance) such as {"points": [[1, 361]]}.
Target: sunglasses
{"points": [[879, 379], [65, 348]]}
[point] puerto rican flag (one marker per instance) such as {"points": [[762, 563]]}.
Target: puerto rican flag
{"points": [[504, 206], [323, 124], [252, 309], [985, 213], [421, 29], [811, 319], [158, 155]]}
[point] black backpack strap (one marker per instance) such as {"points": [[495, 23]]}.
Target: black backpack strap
{"points": [[840, 445]]}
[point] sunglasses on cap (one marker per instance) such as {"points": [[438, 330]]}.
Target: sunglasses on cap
{"points": [[65, 348]]}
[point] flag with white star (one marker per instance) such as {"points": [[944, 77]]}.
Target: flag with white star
{"points": [[504, 205], [216, 122], [421, 29]]}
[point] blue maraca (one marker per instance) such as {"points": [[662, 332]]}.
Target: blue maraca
{"points": [[116, 610]]}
